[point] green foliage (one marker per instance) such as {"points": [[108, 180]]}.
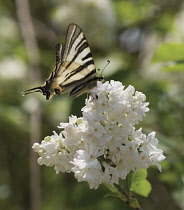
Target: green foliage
{"points": [[130, 12], [164, 23], [135, 183], [169, 52], [173, 53], [139, 184]]}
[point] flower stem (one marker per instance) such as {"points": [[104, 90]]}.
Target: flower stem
{"points": [[122, 191]]}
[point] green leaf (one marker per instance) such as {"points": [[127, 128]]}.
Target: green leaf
{"points": [[140, 175], [169, 52], [142, 188], [136, 182], [139, 184]]}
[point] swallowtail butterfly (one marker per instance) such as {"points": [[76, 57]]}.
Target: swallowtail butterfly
{"points": [[75, 71]]}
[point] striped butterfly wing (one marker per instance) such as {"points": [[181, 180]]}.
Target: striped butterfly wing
{"points": [[75, 71]]}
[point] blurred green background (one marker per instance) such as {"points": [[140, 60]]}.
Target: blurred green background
{"points": [[126, 32]]}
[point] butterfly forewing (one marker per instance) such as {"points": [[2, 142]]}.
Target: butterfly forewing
{"points": [[77, 49]]}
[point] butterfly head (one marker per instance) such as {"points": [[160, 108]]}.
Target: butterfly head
{"points": [[46, 90]]}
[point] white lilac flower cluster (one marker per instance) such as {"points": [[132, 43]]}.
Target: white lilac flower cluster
{"points": [[103, 145]]}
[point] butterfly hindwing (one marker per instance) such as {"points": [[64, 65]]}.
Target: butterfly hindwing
{"points": [[59, 51]]}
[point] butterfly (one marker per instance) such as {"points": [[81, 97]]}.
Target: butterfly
{"points": [[75, 71]]}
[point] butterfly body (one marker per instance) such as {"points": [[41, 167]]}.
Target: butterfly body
{"points": [[75, 71]]}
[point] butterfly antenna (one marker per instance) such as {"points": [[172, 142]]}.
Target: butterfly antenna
{"points": [[108, 61]]}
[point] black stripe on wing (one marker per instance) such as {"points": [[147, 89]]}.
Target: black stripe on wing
{"points": [[80, 68], [84, 86], [72, 34], [81, 41], [79, 51], [79, 80], [59, 52], [88, 56]]}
